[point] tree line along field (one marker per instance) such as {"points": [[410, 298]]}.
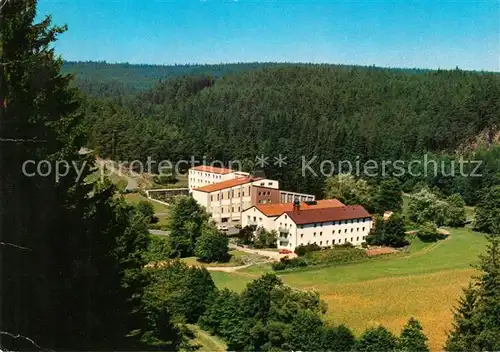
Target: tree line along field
{"points": [[424, 283]]}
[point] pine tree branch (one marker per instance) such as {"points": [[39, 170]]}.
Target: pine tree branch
{"points": [[3, 3], [15, 246], [17, 336], [22, 140]]}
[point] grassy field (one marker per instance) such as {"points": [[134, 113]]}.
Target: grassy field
{"points": [[161, 210], [424, 283], [207, 342], [237, 258], [134, 198]]}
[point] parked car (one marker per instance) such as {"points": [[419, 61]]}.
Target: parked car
{"points": [[285, 251], [222, 228]]}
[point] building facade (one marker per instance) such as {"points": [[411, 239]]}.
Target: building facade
{"points": [[203, 175], [263, 215], [323, 226], [225, 201]]}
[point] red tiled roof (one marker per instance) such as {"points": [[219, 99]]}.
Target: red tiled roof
{"points": [[280, 208], [212, 169], [227, 184], [309, 216]]}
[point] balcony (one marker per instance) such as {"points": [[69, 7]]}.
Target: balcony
{"points": [[283, 239], [283, 229], [252, 221]]}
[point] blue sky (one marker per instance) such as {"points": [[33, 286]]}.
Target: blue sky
{"points": [[426, 34]]}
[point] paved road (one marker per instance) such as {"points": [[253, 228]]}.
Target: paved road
{"points": [[159, 232], [276, 256], [228, 269], [131, 183]]}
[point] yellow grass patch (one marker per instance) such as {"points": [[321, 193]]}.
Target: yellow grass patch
{"points": [[391, 301]]}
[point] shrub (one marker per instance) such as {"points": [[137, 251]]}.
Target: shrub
{"points": [[165, 179], [336, 255], [287, 263], [428, 233], [304, 249]]}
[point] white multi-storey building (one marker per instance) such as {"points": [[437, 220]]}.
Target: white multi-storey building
{"points": [[203, 175], [323, 226], [263, 215], [225, 201], [226, 193]]}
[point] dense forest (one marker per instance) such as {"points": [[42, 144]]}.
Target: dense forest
{"points": [[304, 111], [99, 77], [76, 259]]}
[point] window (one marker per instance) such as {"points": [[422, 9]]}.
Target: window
{"points": [[269, 183], [351, 239], [301, 235], [260, 193], [217, 196], [333, 232], [262, 183], [314, 225], [254, 218], [321, 233], [211, 198], [363, 228], [314, 234], [268, 193], [352, 230], [340, 230], [357, 238], [286, 217], [238, 208], [357, 228], [345, 231], [333, 241], [232, 209], [260, 219], [320, 243], [345, 240], [238, 194], [327, 242], [364, 237], [248, 217]]}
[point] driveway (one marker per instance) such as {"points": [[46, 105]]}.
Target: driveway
{"points": [[275, 256]]}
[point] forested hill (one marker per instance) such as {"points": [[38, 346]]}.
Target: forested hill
{"points": [[333, 113], [102, 78]]}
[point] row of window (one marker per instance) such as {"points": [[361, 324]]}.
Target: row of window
{"points": [[339, 241], [228, 209], [333, 232], [201, 181], [265, 193], [206, 174], [340, 222], [229, 195]]}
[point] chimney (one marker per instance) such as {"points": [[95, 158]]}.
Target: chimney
{"points": [[296, 205]]}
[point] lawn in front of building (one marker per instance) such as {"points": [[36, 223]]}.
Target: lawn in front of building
{"points": [[424, 283]]}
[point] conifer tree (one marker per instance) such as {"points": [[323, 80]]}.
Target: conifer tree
{"points": [[476, 324], [71, 253], [412, 339]]}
